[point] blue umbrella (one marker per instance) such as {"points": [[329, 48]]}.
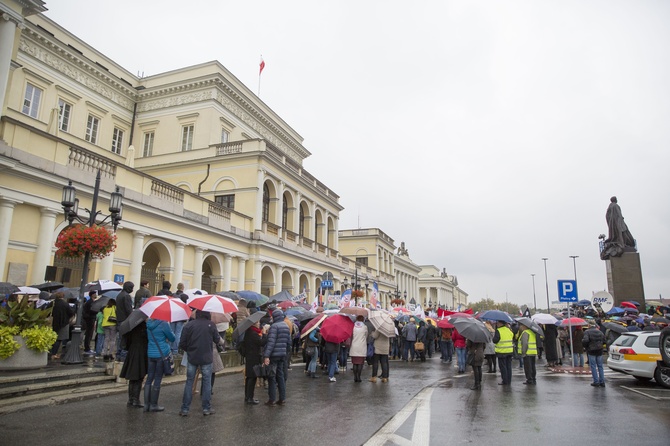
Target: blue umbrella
{"points": [[616, 310], [583, 303], [259, 298], [495, 315]]}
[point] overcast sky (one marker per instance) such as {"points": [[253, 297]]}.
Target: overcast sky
{"points": [[485, 135]]}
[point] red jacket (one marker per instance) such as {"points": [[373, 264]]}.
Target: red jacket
{"points": [[459, 341]]}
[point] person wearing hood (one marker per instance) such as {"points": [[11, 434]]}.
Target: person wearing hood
{"points": [[135, 364], [159, 336], [359, 347], [274, 355], [124, 306]]}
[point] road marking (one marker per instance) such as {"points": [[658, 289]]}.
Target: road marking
{"points": [[643, 392], [421, 431]]}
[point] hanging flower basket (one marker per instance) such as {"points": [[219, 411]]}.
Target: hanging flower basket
{"points": [[76, 241], [397, 302], [357, 293]]}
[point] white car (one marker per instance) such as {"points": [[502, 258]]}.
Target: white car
{"points": [[637, 353]]}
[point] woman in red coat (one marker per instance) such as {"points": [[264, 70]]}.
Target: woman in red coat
{"points": [[461, 350]]}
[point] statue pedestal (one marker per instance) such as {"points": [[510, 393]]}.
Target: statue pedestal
{"points": [[624, 279]]}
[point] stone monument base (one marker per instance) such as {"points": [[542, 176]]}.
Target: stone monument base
{"points": [[624, 279]]}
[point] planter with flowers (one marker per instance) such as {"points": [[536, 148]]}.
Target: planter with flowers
{"points": [[397, 302], [357, 293], [77, 240], [25, 336]]}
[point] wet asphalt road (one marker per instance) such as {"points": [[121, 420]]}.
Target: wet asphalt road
{"points": [[423, 404]]}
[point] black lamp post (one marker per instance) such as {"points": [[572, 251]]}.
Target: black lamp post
{"points": [[70, 204], [546, 282]]}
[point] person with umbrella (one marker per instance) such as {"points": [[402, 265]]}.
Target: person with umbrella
{"points": [[252, 347], [527, 348], [159, 335], [61, 314], [577, 347], [124, 306], [136, 362], [476, 359], [359, 347], [381, 356], [109, 329], [276, 349], [88, 316], [503, 339], [593, 344]]}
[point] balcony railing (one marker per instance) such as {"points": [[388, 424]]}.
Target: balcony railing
{"points": [[85, 160], [217, 210], [167, 191], [229, 148]]}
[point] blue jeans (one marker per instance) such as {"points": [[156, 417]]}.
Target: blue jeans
{"points": [[99, 343], [505, 367], [447, 349], [206, 371], [344, 353], [597, 372], [395, 352], [155, 372], [577, 360], [176, 328], [461, 355], [409, 347], [279, 380], [331, 358], [312, 363]]}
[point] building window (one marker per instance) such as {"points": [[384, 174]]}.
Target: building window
{"points": [[266, 203], [284, 214], [64, 112], [301, 228], [362, 261], [31, 102], [92, 126], [148, 144], [117, 140], [224, 136], [226, 200], [187, 137]]}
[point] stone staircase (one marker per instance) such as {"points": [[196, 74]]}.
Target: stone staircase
{"points": [[53, 385]]}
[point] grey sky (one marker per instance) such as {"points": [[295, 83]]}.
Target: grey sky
{"points": [[485, 135]]}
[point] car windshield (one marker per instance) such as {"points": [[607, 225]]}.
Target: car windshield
{"points": [[626, 340]]}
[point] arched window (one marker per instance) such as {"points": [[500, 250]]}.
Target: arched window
{"points": [[302, 222], [266, 203], [284, 214]]}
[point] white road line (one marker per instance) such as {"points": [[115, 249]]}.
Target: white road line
{"points": [[421, 431]]}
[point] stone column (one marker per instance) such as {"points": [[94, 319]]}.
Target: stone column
{"points": [[241, 273], [296, 281], [7, 33], [279, 212], [278, 279], [136, 255], [296, 214], [45, 243], [311, 287], [6, 215], [197, 267], [258, 268], [179, 263], [227, 271], [107, 268]]}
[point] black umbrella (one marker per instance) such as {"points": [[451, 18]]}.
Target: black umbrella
{"points": [[68, 293], [248, 322], [100, 303], [472, 329], [617, 328], [48, 286], [8, 288], [133, 320], [307, 315], [534, 327]]}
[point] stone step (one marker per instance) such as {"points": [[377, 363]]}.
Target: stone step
{"points": [[14, 378], [48, 385]]}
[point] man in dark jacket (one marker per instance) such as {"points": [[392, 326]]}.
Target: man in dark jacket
{"points": [[124, 306], [593, 341], [276, 349], [196, 340], [431, 333], [88, 316], [142, 294], [165, 291]]}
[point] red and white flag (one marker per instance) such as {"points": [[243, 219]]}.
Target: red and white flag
{"points": [[262, 65]]}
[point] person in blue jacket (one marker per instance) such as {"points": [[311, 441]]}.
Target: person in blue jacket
{"points": [[160, 336]]}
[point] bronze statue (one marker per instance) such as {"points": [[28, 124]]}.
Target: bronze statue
{"points": [[620, 239]]}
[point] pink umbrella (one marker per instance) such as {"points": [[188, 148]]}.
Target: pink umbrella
{"points": [[628, 305], [285, 305], [212, 303], [337, 328], [166, 308], [444, 323]]}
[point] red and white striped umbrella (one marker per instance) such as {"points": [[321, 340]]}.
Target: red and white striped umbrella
{"points": [[166, 308], [212, 303]]}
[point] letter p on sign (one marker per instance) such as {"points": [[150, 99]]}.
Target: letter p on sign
{"points": [[567, 291]]}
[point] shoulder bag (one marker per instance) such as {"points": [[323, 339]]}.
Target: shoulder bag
{"points": [[168, 361]]}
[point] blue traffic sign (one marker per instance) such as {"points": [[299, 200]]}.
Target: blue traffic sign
{"points": [[567, 291], [327, 283]]}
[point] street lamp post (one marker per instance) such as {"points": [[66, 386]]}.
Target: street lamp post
{"points": [[546, 282], [534, 299], [574, 265], [70, 205]]}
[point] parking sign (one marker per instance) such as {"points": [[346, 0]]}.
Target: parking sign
{"points": [[567, 291]]}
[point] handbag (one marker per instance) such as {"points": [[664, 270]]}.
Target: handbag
{"points": [[310, 351], [419, 345], [265, 371], [168, 361]]}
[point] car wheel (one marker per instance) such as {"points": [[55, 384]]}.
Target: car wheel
{"points": [[664, 345], [643, 379], [662, 378]]}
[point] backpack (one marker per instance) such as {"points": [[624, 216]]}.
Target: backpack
{"points": [[240, 344]]}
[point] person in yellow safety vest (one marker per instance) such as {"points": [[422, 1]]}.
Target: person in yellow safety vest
{"points": [[527, 348], [504, 341]]}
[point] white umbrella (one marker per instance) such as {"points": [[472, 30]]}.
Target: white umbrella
{"points": [[543, 318], [27, 290], [103, 285]]}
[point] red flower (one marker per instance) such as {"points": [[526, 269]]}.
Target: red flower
{"points": [[75, 241]]}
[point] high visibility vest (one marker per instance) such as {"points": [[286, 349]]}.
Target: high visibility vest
{"points": [[532, 343], [506, 343]]}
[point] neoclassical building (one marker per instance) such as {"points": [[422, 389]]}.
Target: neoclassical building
{"points": [[439, 289], [215, 193]]}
